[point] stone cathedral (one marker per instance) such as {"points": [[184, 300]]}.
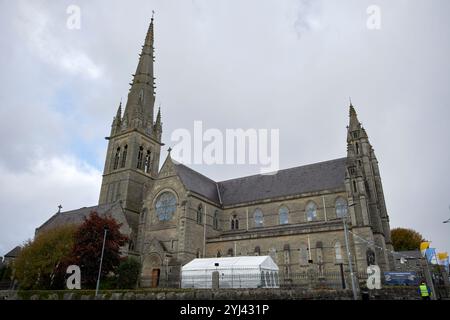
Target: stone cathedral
{"points": [[175, 214]]}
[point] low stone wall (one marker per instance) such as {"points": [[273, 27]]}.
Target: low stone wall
{"points": [[388, 293]]}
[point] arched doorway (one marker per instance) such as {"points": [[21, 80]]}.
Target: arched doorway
{"points": [[152, 269]]}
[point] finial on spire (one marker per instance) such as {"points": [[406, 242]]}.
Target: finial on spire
{"points": [[59, 208], [169, 150], [119, 110], [352, 109], [153, 15]]}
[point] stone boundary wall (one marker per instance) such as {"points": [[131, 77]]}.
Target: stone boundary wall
{"points": [[395, 293]]}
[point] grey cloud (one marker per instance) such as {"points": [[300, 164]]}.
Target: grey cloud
{"points": [[242, 64]]}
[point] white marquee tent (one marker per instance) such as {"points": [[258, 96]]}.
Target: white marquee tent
{"points": [[234, 272]]}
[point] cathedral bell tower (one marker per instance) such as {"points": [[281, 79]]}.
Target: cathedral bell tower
{"points": [[132, 159], [363, 184]]}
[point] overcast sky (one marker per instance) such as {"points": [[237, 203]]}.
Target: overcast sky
{"points": [[289, 65]]}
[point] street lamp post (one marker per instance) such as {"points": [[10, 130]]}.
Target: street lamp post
{"points": [[101, 261], [349, 256]]}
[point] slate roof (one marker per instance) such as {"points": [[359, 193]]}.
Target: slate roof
{"points": [[14, 252], [75, 216], [327, 175], [197, 182]]}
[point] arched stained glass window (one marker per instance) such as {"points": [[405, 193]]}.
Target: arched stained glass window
{"points": [[259, 218], [311, 212], [166, 206], [283, 214], [341, 208]]}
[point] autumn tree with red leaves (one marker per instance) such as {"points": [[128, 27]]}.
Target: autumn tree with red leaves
{"points": [[88, 244]]}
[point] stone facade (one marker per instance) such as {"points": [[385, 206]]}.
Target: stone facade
{"points": [[296, 215], [209, 218]]}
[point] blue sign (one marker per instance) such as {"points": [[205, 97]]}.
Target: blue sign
{"points": [[401, 278]]}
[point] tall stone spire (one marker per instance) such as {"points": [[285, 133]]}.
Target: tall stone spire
{"points": [[141, 98], [354, 122]]}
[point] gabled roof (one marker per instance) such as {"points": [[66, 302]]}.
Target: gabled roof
{"points": [[329, 175], [14, 252], [198, 183], [76, 217]]}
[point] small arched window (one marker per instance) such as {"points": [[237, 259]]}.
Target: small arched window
{"points": [[341, 208], [140, 157], [259, 218], [234, 222], [357, 148], [216, 220], [124, 156], [257, 251], [116, 159], [200, 214], [230, 252], [283, 214], [219, 254], [311, 212], [147, 164]]}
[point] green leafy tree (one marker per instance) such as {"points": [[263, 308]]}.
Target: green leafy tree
{"points": [[406, 239], [40, 259], [128, 274], [88, 248], [5, 273]]}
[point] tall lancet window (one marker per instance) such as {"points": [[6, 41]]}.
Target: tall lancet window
{"points": [[200, 214], [147, 166], [283, 213], [124, 156], [311, 212], [341, 208], [140, 157], [116, 159], [259, 218], [141, 96]]}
